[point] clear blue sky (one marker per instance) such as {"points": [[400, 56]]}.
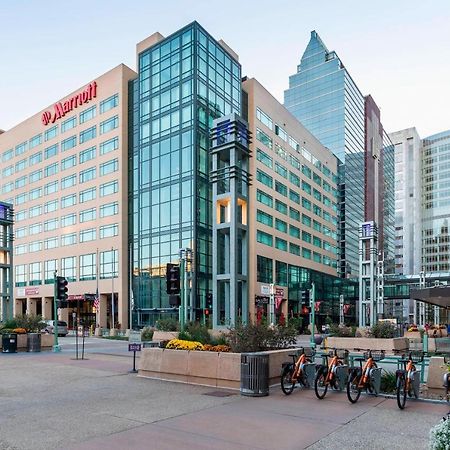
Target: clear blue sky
{"points": [[398, 51]]}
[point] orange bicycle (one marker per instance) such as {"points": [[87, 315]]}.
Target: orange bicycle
{"points": [[406, 377], [362, 377], [295, 371], [329, 374]]}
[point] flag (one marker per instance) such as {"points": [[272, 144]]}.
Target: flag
{"points": [[96, 301]]}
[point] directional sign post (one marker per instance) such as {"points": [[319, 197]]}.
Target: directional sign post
{"points": [[134, 345]]}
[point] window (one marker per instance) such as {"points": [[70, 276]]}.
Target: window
{"points": [[51, 225], [294, 231], [68, 200], [306, 204], [51, 151], [107, 231], [317, 226], [264, 118], [109, 103], [109, 188], [306, 236], [294, 196], [35, 159], [69, 181], [68, 220], [35, 176], [21, 165], [294, 144], [109, 125], [6, 156], [51, 188], [20, 232], [68, 124], [35, 246], [264, 269], [317, 195], [281, 225], [21, 249], [262, 137], [264, 218], [281, 207], [110, 209], [8, 171], [294, 249], [88, 194], [317, 179], [8, 187], [306, 171], [35, 211], [68, 268], [306, 253], [281, 273], [264, 178], [280, 132], [68, 239], [68, 143], [20, 275], [88, 175], [50, 267], [109, 145], [21, 182], [294, 179], [35, 194], [281, 244], [88, 235], [281, 188], [109, 167], [88, 134], [50, 170], [51, 243], [87, 155], [317, 241], [281, 152], [88, 114], [21, 148], [306, 187], [21, 215], [69, 162], [109, 264], [281, 170], [294, 214], [51, 133], [264, 198], [264, 238], [317, 257], [317, 210], [20, 199], [87, 215], [36, 140], [264, 158], [88, 267]]}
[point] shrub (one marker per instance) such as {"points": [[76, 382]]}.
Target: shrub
{"points": [[440, 435], [383, 330], [169, 324], [31, 322], [219, 340], [341, 331], [6, 330], [296, 323], [258, 337], [147, 334], [10, 324], [198, 332], [388, 382]]}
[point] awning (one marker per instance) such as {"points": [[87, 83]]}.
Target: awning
{"points": [[439, 295]]}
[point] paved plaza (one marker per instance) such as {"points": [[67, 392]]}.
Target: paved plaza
{"points": [[51, 401]]}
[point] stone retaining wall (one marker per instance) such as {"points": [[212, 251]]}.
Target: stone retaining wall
{"points": [[388, 345]]}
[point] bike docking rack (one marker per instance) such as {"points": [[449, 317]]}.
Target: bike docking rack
{"points": [[305, 374], [340, 371]]}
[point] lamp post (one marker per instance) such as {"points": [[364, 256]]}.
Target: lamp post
{"points": [[112, 289], [56, 347]]}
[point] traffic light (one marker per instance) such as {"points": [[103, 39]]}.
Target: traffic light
{"points": [[61, 292], [305, 297], [174, 300], [173, 279], [209, 299]]}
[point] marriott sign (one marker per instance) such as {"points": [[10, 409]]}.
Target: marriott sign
{"points": [[60, 109]]}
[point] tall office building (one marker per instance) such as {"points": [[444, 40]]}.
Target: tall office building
{"points": [[408, 201], [324, 97], [184, 82], [436, 203]]}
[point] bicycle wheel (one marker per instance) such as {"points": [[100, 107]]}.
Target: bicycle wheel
{"points": [[353, 389], [320, 385], [287, 383], [401, 392]]}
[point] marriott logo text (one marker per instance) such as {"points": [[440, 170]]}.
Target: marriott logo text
{"points": [[60, 109]]}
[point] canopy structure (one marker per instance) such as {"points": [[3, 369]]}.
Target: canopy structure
{"points": [[439, 295]]}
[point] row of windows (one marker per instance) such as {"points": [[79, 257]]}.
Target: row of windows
{"points": [[108, 268], [84, 156]]}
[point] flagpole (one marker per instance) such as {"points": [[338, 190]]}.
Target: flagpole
{"points": [[130, 325]]}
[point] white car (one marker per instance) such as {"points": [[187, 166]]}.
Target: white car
{"points": [[62, 327]]}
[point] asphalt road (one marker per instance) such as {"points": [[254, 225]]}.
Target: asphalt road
{"points": [[51, 401]]}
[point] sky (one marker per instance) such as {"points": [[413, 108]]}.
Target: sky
{"points": [[397, 51]]}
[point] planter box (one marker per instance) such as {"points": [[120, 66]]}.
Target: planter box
{"points": [[46, 341], [437, 333], [413, 335], [388, 345], [436, 371], [217, 369], [164, 335]]}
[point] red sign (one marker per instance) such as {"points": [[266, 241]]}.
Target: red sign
{"points": [[31, 291], [74, 297], [60, 109]]}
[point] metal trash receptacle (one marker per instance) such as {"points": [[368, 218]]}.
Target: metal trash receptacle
{"points": [[255, 374], [33, 342], [9, 343]]}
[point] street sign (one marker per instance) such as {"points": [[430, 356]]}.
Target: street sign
{"points": [[135, 337], [265, 289], [134, 347]]}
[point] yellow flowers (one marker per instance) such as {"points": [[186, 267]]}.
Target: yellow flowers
{"points": [[180, 344]]}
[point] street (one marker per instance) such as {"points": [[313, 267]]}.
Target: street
{"points": [[51, 401]]}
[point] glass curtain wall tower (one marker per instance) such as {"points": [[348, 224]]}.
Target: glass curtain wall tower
{"points": [[185, 81], [323, 96]]}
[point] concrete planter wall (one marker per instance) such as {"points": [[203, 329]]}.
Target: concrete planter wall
{"points": [[388, 345], [205, 368], [413, 335], [164, 335], [46, 341], [436, 371]]}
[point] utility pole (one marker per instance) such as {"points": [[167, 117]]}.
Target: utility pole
{"points": [[56, 347], [272, 305], [341, 310], [113, 312], [312, 304]]}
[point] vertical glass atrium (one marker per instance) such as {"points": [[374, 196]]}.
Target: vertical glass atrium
{"points": [[185, 81]]}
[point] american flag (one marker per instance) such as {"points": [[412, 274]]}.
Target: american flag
{"points": [[96, 301]]}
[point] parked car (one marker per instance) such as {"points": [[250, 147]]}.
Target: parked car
{"points": [[62, 327]]}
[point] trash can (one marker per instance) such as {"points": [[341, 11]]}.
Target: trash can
{"points": [[33, 342], [9, 343], [255, 374]]}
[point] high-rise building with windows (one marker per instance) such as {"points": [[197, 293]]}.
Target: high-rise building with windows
{"points": [[65, 170], [327, 101]]}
